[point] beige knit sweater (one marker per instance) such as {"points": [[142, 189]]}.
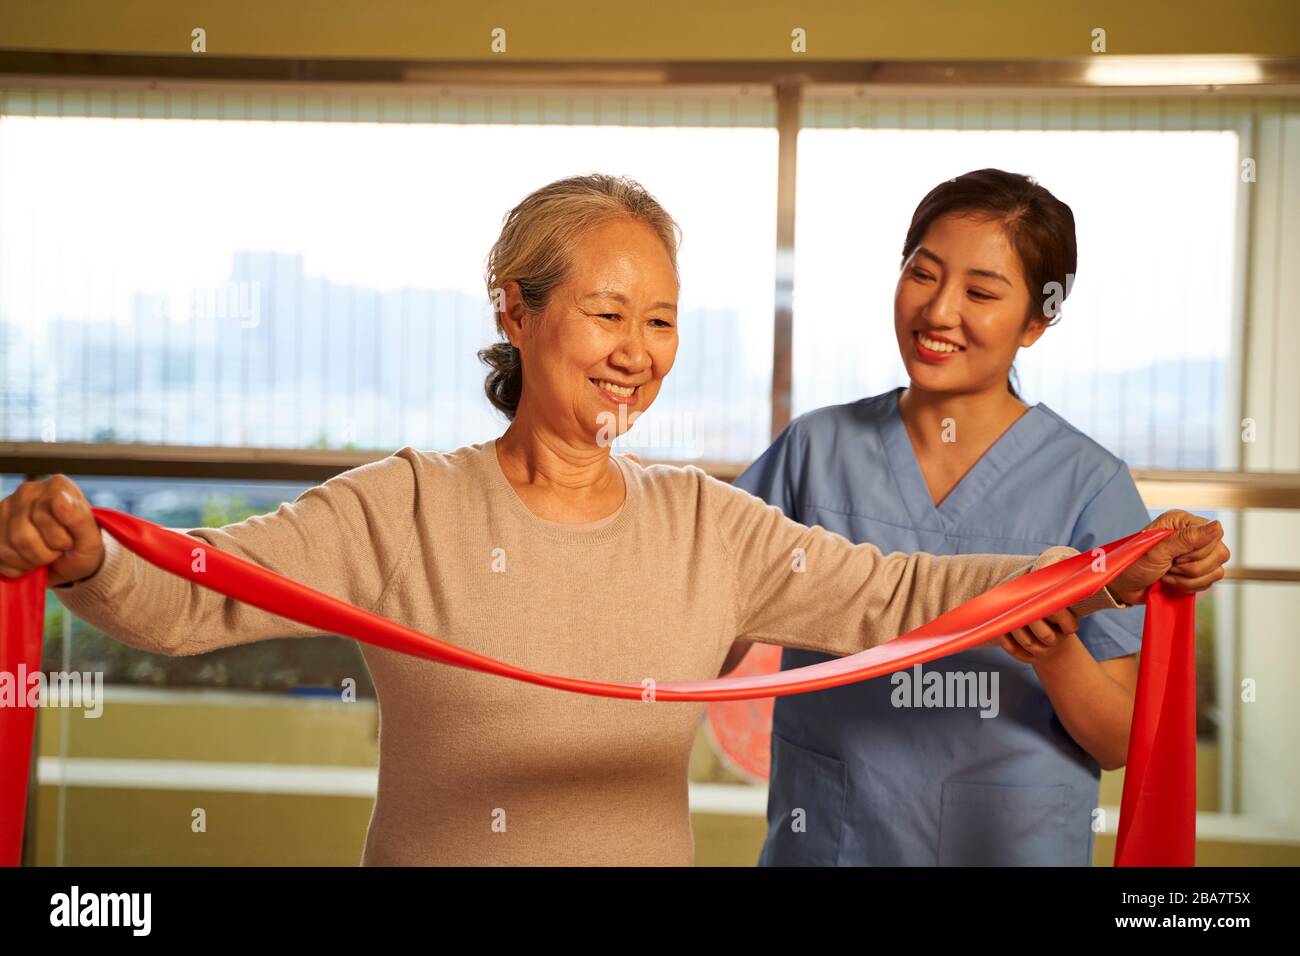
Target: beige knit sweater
{"points": [[480, 770]]}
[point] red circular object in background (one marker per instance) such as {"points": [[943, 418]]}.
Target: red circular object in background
{"points": [[741, 730]]}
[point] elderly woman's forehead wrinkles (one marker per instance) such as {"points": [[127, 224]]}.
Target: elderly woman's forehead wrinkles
{"points": [[611, 295], [606, 294]]}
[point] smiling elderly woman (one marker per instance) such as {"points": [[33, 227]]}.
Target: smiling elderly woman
{"points": [[542, 549]]}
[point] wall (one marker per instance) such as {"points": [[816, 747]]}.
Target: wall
{"points": [[667, 30]]}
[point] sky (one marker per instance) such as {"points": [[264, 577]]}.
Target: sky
{"points": [[1154, 223], [94, 210]]}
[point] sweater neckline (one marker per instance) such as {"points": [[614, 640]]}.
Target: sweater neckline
{"points": [[599, 530]]}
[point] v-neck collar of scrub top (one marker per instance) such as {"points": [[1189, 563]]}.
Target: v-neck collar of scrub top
{"points": [[1010, 449]]}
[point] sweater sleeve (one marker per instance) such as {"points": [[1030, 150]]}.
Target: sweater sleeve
{"points": [[1116, 509], [345, 537], [810, 588]]}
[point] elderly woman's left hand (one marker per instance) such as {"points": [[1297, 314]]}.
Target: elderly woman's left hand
{"points": [[1041, 639], [1190, 559]]}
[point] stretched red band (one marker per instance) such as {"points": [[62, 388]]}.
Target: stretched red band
{"points": [[22, 613], [1160, 774]]}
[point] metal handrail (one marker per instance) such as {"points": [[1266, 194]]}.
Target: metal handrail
{"points": [[1218, 490]]}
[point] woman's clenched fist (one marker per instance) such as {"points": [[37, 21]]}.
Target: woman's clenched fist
{"points": [[49, 522]]}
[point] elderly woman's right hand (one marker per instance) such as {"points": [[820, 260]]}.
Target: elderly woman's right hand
{"points": [[49, 522]]}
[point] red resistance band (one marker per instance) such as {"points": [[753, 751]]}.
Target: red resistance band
{"points": [[1157, 821]]}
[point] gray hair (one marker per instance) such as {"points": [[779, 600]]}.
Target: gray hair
{"points": [[535, 250]]}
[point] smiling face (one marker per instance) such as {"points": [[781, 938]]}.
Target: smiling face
{"points": [[597, 355], [960, 307]]}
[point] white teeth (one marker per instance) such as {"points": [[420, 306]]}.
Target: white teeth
{"points": [[934, 345], [620, 390]]}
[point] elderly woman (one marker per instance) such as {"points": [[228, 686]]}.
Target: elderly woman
{"points": [[541, 548]]}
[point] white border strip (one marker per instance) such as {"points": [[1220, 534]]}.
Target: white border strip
{"points": [[742, 800], [196, 775]]}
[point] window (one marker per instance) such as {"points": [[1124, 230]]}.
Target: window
{"points": [[1141, 355], [219, 280]]}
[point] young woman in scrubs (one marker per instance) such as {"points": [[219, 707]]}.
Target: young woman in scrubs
{"points": [[957, 463]]}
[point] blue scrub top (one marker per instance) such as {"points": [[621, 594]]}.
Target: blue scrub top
{"points": [[857, 780]]}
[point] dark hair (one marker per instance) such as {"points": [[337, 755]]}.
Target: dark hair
{"points": [[1039, 226]]}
